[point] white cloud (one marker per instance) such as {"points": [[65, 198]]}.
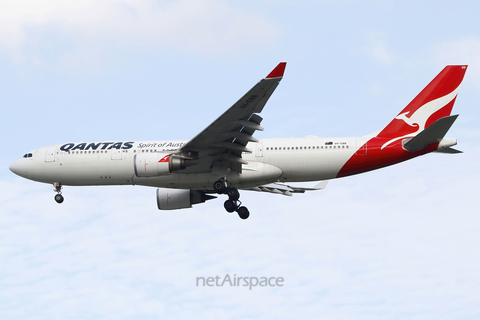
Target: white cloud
{"points": [[378, 50], [205, 26]]}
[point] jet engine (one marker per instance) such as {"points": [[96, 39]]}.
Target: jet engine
{"points": [[156, 164], [171, 199]]}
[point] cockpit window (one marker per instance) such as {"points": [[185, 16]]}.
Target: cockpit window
{"points": [[28, 155]]}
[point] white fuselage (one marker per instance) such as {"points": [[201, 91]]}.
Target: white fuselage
{"points": [[288, 160]]}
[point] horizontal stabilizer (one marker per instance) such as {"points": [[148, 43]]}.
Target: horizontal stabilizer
{"points": [[448, 150], [432, 134], [286, 190]]}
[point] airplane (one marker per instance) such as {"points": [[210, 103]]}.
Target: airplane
{"points": [[226, 157]]}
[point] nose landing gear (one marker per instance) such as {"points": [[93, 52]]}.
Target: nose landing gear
{"points": [[232, 204], [58, 189]]}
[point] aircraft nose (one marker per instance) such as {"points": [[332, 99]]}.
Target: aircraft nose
{"points": [[19, 168]]}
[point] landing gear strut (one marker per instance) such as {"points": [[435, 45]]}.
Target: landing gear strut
{"points": [[232, 204], [58, 189]]}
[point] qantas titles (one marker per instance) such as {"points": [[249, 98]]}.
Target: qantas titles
{"points": [[96, 146], [117, 145]]}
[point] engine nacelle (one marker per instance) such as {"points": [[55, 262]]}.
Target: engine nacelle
{"points": [[171, 199], [156, 164]]}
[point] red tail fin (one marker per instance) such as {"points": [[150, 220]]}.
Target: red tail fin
{"points": [[434, 102]]}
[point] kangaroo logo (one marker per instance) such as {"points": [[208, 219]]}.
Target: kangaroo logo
{"points": [[165, 159], [420, 116]]}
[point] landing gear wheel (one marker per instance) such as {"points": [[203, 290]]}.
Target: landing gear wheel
{"points": [[57, 187], [243, 213], [233, 194], [59, 198], [230, 206], [219, 186]]}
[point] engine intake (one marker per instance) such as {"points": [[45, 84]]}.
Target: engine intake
{"points": [[171, 199], [156, 164]]}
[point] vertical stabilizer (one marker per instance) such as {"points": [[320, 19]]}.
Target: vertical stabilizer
{"points": [[432, 103]]}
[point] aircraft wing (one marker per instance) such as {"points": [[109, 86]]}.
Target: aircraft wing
{"points": [[221, 144], [286, 190]]}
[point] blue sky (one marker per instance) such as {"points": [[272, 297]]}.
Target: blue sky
{"points": [[397, 243]]}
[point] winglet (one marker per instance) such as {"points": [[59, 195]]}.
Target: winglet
{"points": [[278, 71]]}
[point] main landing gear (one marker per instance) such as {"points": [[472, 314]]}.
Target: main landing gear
{"points": [[232, 204], [58, 189]]}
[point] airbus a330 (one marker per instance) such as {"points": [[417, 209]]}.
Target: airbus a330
{"points": [[226, 157]]}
